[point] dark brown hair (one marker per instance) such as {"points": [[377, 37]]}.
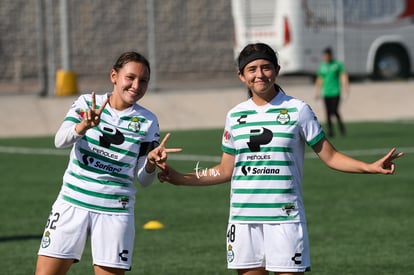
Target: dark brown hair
{"points": [[127, 57]]}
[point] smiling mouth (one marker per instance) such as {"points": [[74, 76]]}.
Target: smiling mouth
{"points": [[134, 93]]}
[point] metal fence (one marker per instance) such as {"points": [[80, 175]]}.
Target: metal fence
{"points": [[184, 40]]}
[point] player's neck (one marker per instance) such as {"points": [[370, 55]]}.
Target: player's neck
{"points": [[263, 98]]}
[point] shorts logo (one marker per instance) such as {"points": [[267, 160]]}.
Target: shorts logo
{"points": [[230, 254], [122, 255], [46, 239], [297, 258]]}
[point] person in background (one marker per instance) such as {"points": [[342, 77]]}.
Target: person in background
{"points": [[114, 142], [331, 80], [263, 155]]}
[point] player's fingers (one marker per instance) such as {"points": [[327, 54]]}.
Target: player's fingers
{"points": [[88, 115], [103, 105], [391, 155], [161, 165], [391, 151], [93, 101], [173, 150], [163, 154], [392, 168], [388, 156], [164, 140], [389, 170], [161, 177], [400, 154]]}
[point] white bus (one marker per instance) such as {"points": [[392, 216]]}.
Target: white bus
{"points": [[372, 37]]}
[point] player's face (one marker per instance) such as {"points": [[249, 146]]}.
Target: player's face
{"points": [[259, 76], [130, 83], [326, 57]]}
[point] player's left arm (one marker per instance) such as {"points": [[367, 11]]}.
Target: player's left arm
{"points": [[344, 163]]}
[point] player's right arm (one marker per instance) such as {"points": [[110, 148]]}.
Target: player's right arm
{"points": [[220, 173]]}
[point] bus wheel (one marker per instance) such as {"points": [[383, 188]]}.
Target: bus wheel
{"points": [[391, 62]]}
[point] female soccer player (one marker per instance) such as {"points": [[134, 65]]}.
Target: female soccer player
{"points": [[114, 141], [263, 153]]}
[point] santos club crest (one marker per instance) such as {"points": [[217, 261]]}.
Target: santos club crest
{"points": [[283, 117], [134, 125]]}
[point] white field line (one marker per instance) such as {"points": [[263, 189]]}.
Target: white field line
{"points": [[186, 157]]}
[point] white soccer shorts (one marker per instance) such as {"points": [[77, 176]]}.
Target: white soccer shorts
{"points": [[277, 247], [67, 229]]}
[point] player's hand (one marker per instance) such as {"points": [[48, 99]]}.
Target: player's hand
{"points": [[158, 156], [92, 116], [385, 165], [168, 174]]}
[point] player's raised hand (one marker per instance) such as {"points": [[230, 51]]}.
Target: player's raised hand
{"points": [[158, 156], [91, 117]]}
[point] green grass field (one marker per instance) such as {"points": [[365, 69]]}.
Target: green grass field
{"points": [[358, 224]]}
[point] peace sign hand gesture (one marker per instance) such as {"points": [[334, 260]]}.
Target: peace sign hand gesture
{"points": [[158, 156], [92, 116], [385, 165]]}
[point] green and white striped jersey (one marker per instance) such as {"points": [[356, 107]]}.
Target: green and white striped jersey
{"points": [[269, 144], [105, 162]]}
